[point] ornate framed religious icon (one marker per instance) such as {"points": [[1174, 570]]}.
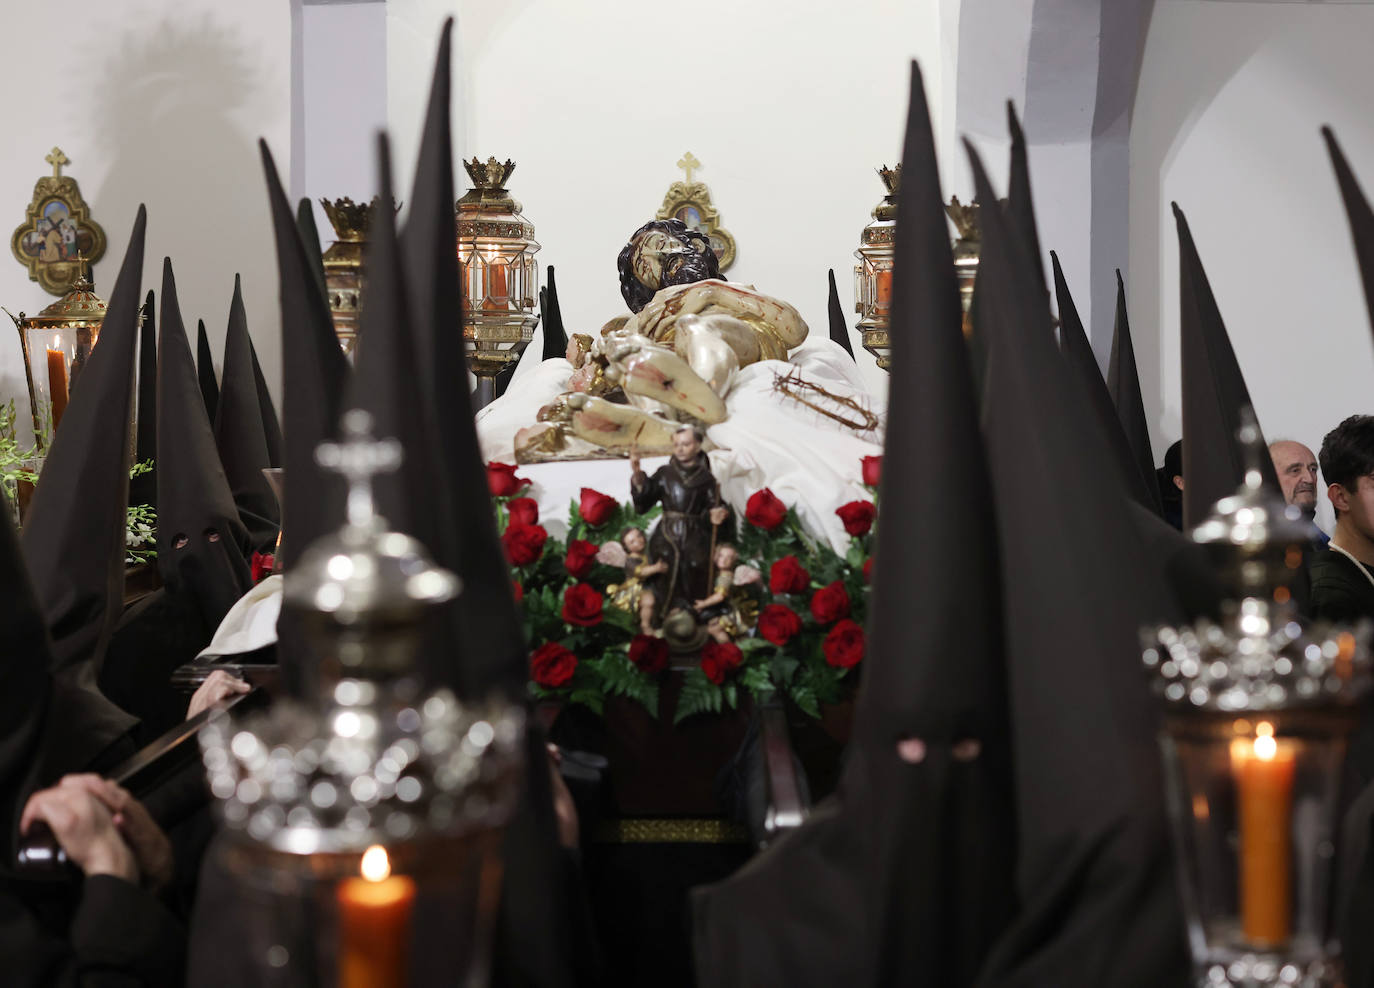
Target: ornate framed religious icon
{"points": [[58, 238], [691, 202]]}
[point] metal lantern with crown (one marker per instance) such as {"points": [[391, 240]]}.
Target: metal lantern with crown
{"points": [[56, 344], [873, 273], [344, 817], [1257, 710], [496, 249], [344, 277]]}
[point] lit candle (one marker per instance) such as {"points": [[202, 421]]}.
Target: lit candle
{"points": [[1263, 770], [497, 285], [884, 289], [57, 382], [374, 925]]}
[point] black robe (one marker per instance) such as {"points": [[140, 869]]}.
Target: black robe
{"points": [[120, 936], [1340, 590], [683, 537]]}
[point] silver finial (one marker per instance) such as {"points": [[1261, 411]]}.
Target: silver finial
{"points": [[359, 458]]}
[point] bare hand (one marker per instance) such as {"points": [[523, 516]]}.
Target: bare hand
{"points": [[219, 685], [563, 806], [85, 828], [152, 849], [652, 569], [719, 515]]}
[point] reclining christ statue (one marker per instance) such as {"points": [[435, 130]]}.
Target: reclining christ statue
{"points": [[674, 360]]}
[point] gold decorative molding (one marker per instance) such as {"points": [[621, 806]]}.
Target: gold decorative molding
{"points": [[58, 238], [654, 830], [690, 202]]}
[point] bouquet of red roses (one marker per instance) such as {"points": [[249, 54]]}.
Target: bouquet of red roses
{"points": [[584, 629]]}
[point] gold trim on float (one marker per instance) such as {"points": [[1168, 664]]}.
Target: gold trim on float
{"points": [[650, 830]]}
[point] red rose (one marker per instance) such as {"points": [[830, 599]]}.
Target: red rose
{"points": [[502, 480], [518, 590], [868, 570], [830, 603], [844, 646], [581, 605], [765, 510], [779, 624], [524, 543], [552, 665], [872, 469], [788, 575], [261, 566], [718, 659], [523, 511], [581, 555], [595, 508], [857, 516], [649, 653]]}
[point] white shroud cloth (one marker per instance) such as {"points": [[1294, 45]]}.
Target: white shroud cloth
{"points": [[769, 440], [808, 460]]}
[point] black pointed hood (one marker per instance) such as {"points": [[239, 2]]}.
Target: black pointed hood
{"points": [[24, 680], [271, 425], [317, 371], [1020, 204], [310, 240], [205, 370], [1214, 392], [1123, 385], [1094, 870], [143, 488], [1073, 343], [542, 923], [75, 535], [907, 879], [839, 329], [239, 433], [942, 828], [201, 543], [555, 335], [493, 655], [1359, 214], [384, 385]]}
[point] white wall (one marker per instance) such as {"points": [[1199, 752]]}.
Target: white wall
{"points": [[790, 107], [158, 102], [1226, 122]]}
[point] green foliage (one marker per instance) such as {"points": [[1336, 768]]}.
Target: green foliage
{"points": [[699, 696], [620, 677], [798, 670]]}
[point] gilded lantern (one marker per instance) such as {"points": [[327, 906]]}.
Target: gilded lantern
{"points": [[343, 265], [57, 343], [873, 273], [496, 249]]}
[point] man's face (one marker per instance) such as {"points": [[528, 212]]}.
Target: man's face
{"points": [[1297, 469], [661, 259], [1357, 506], [685, 446]]}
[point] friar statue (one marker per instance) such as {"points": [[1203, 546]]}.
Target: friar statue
{"points": [[692, 515]]}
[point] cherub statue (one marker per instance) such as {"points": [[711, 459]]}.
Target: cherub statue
{"points": [[727, 611], [632, 596]]}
